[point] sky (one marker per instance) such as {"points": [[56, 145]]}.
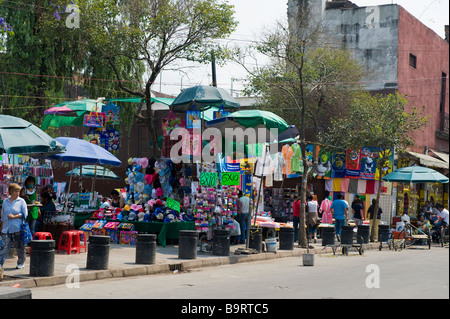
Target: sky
{"points": [[255, 16]]}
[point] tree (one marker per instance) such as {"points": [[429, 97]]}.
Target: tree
{"points": [[385, 122], [153, 35], [306, 84]]}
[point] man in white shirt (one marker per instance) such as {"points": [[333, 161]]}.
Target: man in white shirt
{"points": [[443, 217]]}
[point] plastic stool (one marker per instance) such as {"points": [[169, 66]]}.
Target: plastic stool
{"points": [[80, 240], [68, 242], [42, 236]]}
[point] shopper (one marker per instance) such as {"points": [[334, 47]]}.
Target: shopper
{"points": [[374, 223], [312, 217], [296, 217], [31, 198], [244, 215], [14, 212], [339, 208], [443, 217], [358, 210], [48, 207]]}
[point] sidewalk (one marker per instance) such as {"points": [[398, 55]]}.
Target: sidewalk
{"points": [[122, 263]]}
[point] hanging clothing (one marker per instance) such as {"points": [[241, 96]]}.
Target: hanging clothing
{"points": [[361, 186], [353, 186], [287, 154], [345, 184], [296, 159], [278, 163], [325, 209]]}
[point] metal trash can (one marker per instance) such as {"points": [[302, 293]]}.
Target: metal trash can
{"points": [[328, 235], [255, 240], [146, 249], [221, 242], [364, 233], [346, 235], [286, 236], [98, 252], [42, 258], [383, 233], [188, 241]]}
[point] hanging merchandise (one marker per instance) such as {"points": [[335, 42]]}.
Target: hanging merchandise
{"points": [[95, 135], [193, 118], [338, 165], [170, 122], [220, 113], [388, 165], [94, 119], [112, 112], [111, 138], [352, 163], [296, 159], [323, 168], [287, 154], [278, 163], [369, 157]]}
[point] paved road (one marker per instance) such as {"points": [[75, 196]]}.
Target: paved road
{"points": [[413, 273]]}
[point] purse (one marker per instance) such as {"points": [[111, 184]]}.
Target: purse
{"points": [[25, 233]]}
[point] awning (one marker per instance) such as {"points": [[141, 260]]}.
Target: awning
{"points": [[428, 161], [442, 156]]}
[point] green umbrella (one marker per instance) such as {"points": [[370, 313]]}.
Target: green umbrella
{"points": [[203, 98], [416, 174], [63, 117], [18, 136], [99, 172]]}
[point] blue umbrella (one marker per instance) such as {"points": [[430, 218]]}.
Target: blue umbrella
{"points": [[80, 151], [416, 174]]}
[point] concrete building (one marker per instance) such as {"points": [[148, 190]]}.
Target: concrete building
{"points": [[399, 54]]}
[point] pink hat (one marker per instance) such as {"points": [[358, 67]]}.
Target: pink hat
{"points": [[135, 207], [143, 162], [159, 192]]}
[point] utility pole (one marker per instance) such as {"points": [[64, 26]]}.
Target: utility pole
{"points": [[214, 75]]}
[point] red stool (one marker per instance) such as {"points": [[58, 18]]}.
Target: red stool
{"points": [[80, 240], [68, 242], [42, 236]]}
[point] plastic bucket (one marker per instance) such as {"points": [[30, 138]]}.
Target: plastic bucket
{"points": [[328, 235], [364, 233], [271, 244]]}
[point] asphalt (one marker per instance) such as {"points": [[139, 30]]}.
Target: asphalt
{"points": [[122, 263]]}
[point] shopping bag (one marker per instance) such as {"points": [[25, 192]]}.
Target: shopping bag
{"points": [[193, 118], [220, 113], [169, 123], [25, 233]]}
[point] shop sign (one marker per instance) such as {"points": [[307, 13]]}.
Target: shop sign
{"points": [[231, 178], [173, 204], [208, 179]]}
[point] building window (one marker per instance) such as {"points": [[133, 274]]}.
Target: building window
{"points": [[412, 60], [443, 87]]}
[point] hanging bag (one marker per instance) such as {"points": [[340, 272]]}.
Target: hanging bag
{"points": [[193, 118], [94, 119]]}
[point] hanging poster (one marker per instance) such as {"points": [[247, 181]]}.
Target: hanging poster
{"points": [[169, 123], [369, 157], [338, 164], [352, 163]]}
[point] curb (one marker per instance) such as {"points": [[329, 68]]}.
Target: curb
{"points": [[167, 268]]}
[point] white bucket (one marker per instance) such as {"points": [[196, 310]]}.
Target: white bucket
{"points": [[271, 244]]}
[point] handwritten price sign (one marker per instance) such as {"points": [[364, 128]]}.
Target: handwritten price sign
{"points": [[208, 179], [231, 178], [173, 204]]}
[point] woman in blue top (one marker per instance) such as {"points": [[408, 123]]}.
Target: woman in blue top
{"points": [[14, 212]]}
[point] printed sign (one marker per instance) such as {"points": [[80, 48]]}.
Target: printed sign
{"points": [[231, 178]]}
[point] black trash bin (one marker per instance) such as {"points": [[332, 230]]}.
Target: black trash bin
{"points": [[146, 249], [221, 242], [347, 235], [188, 241], [42, 258], [383, 233], [255, 240], [98, 252], [286, 236], [328, 235], [363, 234]]}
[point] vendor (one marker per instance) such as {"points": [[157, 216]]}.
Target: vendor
{"points": [[48, 206], [50, 190], [116, 199], [31, 198]]}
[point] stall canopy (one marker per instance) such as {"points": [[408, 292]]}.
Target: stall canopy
{"points": [[426, 160], [203, 98], [18, 136], [416, 174], [91, 171], [80, 151]]}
